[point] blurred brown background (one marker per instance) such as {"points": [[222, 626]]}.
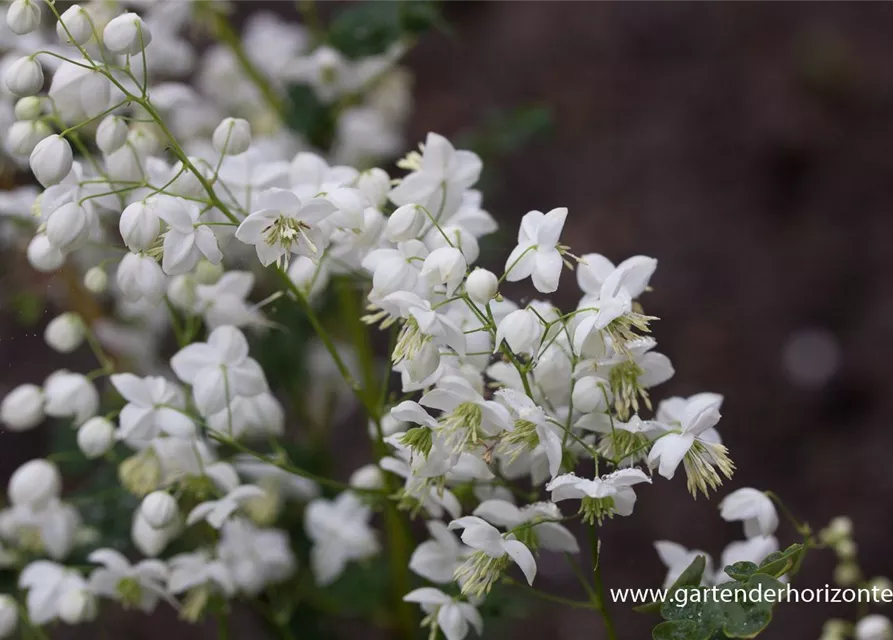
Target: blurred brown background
{"points": [[747, 147]]}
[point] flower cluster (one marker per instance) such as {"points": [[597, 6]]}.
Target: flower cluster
{"points": [[179, 205]]}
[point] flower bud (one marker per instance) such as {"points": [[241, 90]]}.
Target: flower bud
{"points": [[126, 34], [77, 606], [207, 272], [144, 139], [140, 277], [51, 160], [111, 134], [521, 329], [444, 266], [28, 108], [96, 280], [22, 408], [424, 362], [70, 395], [232, 137], [181, 292], [874, 627], [67, 227], [9, 616], [23, 136], [846, 574], [74, 26], [375, 184], [140, 474], [588, 395], [95, 437], [405, 223], [139, 226], [24, 77], [43, 256], [481, 285], [840, 528], [23, 16], [65, 332], [367, 477], [34, 484], [159, 508], [846, 549], [147, 539]]}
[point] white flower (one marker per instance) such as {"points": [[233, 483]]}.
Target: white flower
{"points": [[273, 479], [254, 557], [139, 226], [468, 417], [753, 550], [677, 559], [28, 108], [65, 332], [438, 559], [281, 224], [151, 541], [159, 508], [444, 266], [481, 285], [598, 278], [77, 605], [439, 178], [190, 570], [540, 517], [395, 269], [449, 615], [68, 227], [22, 408], [70, 395], [24, 77], [23, 16], [375, 184], [479, 571], [405, 223], [51, 160], [9, 616], [140, 278], [43, 256], [231, 137], [111, 134], [601, 497], [752, 506], [23, 136], [48, 584], [75, 21], [126, 34], [531, 429], [521, 330], [874, 627], [154, 406], [226, 301], [187, 240], [340, 533], [50, 526], [537, 254], [139, 585], [216, 512], [95, 437]]}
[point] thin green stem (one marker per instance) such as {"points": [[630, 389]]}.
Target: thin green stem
{"points": [[599, 591]]}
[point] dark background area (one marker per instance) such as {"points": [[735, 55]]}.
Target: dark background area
{"points": [[746, 146]]}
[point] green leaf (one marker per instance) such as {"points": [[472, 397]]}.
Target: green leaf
{"points": [[369, 28], [308, 116], [749, 623], [741, 571], [691, 577], [679, 630], [781, 562]]}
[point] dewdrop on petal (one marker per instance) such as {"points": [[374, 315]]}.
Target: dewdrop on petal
{"points": [[23, 16], [74, 26], [51, 160], [24, 77], [28, 108], [95, 437], [111, 134], [126, 34], [22, 408], [481, 285], [65, 332], [43, 256], [34, 484], [96, 280], [159, 508], [232, 137]]}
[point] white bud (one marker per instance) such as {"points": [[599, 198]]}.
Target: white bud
{"points": [[70, 395], [147, 539], [405, 223], [481, 285], [43, 256], [375, 184], [367, 477], [67, 227], [28, 108], [77, 606], [51, 160], [65, 332], [23, 16], [95, 437], [34, 484], [140, 277], [111, 134], [588, 395], [23, 136], [521, 329], [454, 236], [139, 226], [24, 77], [424, 363], [22, 408], [232, 137], [874, 627], [159, 508], [181, 292], [144, 140], [9, 616], [77, 21], [96, 280], [126, 34], [444, 266]]}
